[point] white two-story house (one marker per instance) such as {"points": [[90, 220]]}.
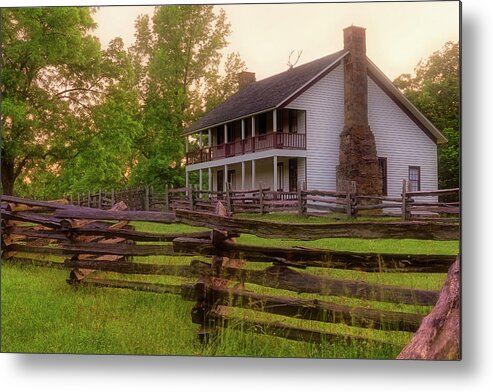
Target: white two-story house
{"points": [[286, 129]]}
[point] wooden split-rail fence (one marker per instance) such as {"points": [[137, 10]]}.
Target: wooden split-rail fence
{"points": [[96, 240], [417, 205]]}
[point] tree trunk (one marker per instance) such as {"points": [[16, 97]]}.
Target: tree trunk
{"points": [[8, 177], [438, 337]]}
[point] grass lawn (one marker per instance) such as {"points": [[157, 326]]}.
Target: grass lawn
{"points": [[42, 313]]}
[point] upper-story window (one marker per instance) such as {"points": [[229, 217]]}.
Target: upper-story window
{"points": [[219, 135], [262, 123], [293, 121]]}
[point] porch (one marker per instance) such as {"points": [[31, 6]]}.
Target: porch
{"points": [[278, 173]]}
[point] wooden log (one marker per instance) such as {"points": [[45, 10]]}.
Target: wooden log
{"points": [[304, 257], [312, 231], [193, 270], [139, 235], [282, 277], [327, 208], [97, 249], [442, 210], [317, 310], [315, 192], [286, 331], [438, 337], [31, 217], [376, 206], [51, 204], [326, 200], [85, 213], [137, 286], [30, 232], [440, 192]]}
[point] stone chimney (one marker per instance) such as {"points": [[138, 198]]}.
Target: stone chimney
{"points": [[358, 160], [245, 78]]}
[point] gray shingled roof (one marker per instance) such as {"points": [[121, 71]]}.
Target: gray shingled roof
{"points": [[264, 94]]}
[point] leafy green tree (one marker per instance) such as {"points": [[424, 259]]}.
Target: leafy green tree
{"points": [[50, 67], [435, 91], [179, 58], [105, 159]]}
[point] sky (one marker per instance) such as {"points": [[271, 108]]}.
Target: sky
{"points": [[399, 34]]}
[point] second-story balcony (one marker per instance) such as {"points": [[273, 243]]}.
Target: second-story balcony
{"points": [[269, 141]]}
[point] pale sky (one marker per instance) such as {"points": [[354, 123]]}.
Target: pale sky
{"points": [[398, 34]]}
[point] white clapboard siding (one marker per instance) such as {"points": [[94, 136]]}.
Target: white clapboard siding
{"points": [[324, 106], [400, 140], [397, 137]]}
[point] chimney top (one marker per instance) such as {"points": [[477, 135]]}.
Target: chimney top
{"points": [[355, 39], [245, 78]]}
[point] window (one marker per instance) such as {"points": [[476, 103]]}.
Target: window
{"points": [[382, 168], [280, 177], [293, 175], [220, 135], [414, 178], [293, 121], [262, 124], [279, 121]]}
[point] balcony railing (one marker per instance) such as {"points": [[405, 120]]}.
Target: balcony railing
{"points": [[269, 141]]}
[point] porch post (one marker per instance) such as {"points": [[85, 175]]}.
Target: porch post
{"points": [[253, 137], [274, 120], [201, 144], [243, 175], [209, 137], [274, 185], [200, 180], [186, 178], [225, 177], [253, 173], [209, 172], [226, 133]]}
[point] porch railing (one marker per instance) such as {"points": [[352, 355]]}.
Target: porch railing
{"points": [[273, 140]]}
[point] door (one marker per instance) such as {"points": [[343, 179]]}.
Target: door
{"points": [[232, 179], [220, 181], [280, 177], [293, 175]]}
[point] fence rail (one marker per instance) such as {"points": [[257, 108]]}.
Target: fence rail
{"points": [[409, 206], [100, 240]]}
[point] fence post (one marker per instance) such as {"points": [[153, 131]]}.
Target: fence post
{"points": [[113, 201], [89, 199], [404, 198], [191, 198], [78, 199], [166, 197], [228, 199], [348, 200], [146, 198], [354, 201], [261, 198], [300, 201], [100, 199]]}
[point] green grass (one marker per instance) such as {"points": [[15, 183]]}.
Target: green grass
{"points": [[42, 313]]}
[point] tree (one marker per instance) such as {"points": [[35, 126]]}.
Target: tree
{"points": [[178, 58], [49, 76], [434, 90]]}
